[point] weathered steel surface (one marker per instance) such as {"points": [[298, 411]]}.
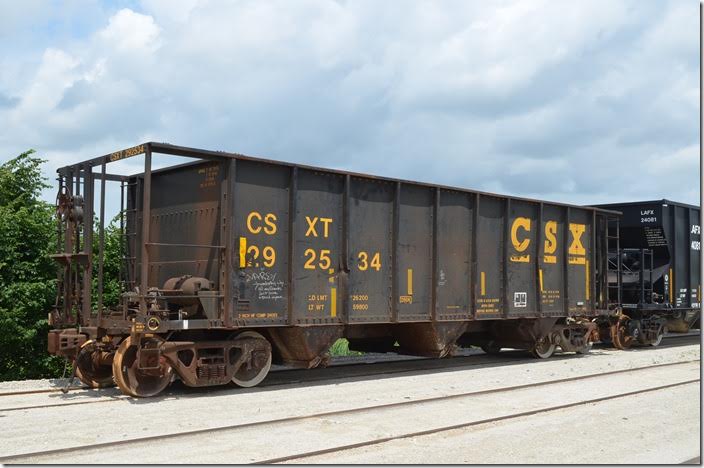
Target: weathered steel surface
{"points": [[371, 208], [308, 255], [374, 251]]}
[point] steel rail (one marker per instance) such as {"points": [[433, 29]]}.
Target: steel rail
{"points": [[17, 457], [221, 389], [521, 356], [382, 440]]}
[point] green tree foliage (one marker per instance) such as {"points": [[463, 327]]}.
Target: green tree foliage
{"points": [[27, 274]]}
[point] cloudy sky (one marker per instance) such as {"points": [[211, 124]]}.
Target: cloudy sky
{"points": [[575, 101]]}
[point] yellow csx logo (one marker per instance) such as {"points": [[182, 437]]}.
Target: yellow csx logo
{"points": [[520, 244], [520, 239], [257, 223]]}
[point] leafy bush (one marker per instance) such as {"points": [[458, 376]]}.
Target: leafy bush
{"points": [[27, 274]]}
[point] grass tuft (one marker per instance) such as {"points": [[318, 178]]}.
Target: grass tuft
{"points": [[342, 348]]}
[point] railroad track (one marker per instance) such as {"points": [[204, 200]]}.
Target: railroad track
{"points": [[19, 458], [297, 376], [379, 365], [382, 440]]}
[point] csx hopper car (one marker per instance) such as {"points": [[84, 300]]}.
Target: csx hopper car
{"points": [[230, 263]]}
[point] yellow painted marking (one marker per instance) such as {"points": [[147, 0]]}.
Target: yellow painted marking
{"points": [[540, 277], [410, 281], [549, 259], [333, 302], [483, 283], [311, 226], [520, 258], [250, 226], [128, 153], [243, 252], [520, 244], [586, 274], [550, 237], [576, 247], [671, 283]]}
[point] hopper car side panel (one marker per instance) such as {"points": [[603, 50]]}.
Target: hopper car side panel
{"points": [[415, 252], [455, 235], [318, 248], [522, 254], [579, 261], [260, 244], [369, 239], [552, 274], [317, 244], [489, 284]]}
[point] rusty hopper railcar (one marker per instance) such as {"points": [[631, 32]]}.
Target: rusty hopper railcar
{"points": [[246, 261]]}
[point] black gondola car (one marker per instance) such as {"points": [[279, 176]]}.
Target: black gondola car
{"points": [[232, 262], [655, 265]]}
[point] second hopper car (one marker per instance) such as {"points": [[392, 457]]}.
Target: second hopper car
{"points": [[654, 271], [231, 263]]}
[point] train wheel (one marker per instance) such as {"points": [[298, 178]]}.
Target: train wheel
{"points": [[140, 382], [90, 367], [619, 333], [252, 374], [543, 349], [491, 348]]}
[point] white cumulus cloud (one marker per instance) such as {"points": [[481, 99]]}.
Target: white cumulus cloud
{"points": [[566, 100]]}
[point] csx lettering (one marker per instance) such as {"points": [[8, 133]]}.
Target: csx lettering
{"points": [[550, 242], [256, 223], [312, 222], [576, 247], [520, 244], [128, 153], [550, 237]]}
